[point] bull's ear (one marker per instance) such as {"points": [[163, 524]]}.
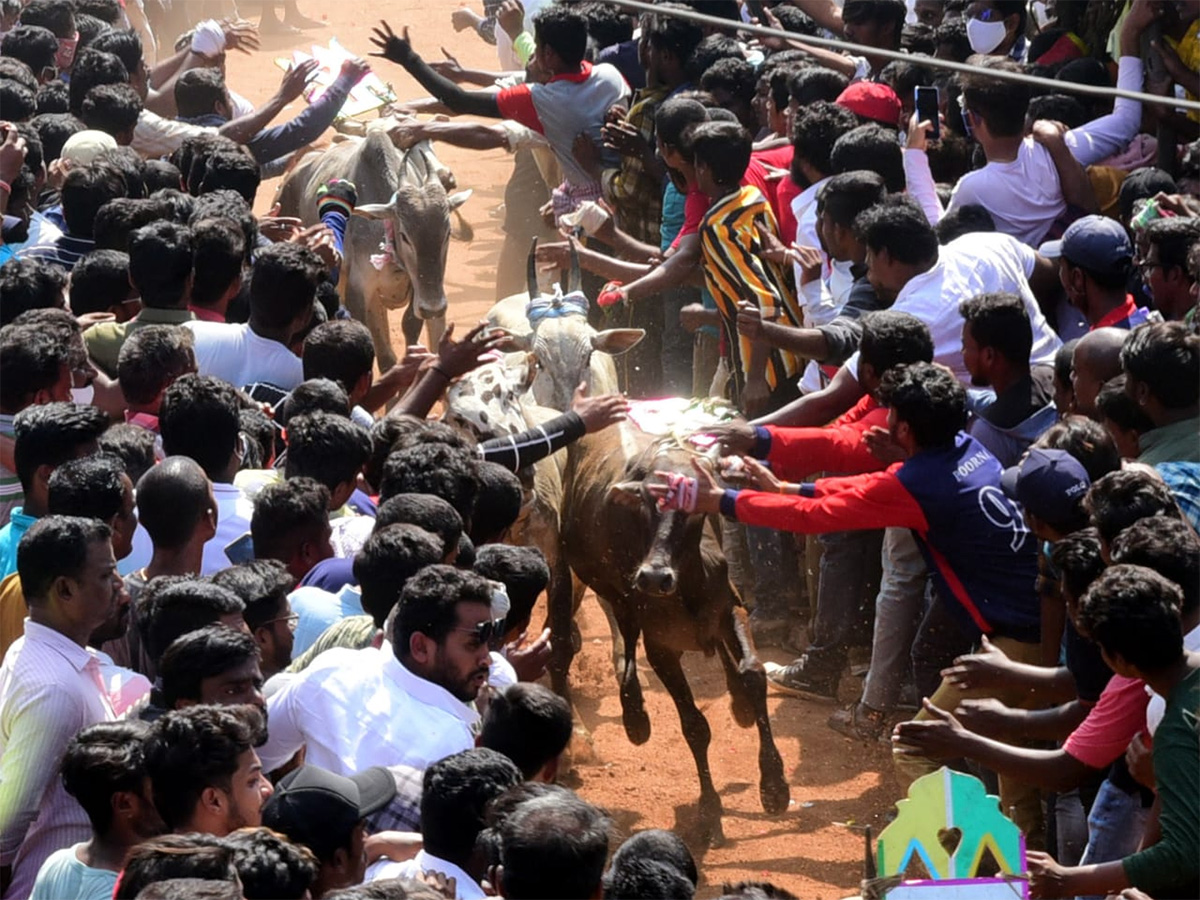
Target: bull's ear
{"points": [[626, 493], [458, 198], [373, 210], [617, 340]]}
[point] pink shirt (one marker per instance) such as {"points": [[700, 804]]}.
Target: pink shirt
{"points": [[1111, 724]]}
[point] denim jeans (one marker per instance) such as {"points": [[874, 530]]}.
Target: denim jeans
{"points": [[1115, 825], [849, 579], [898, 611]]}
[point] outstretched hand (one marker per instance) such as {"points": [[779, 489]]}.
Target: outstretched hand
{"points": [[691, 495], [394, 48], [296, 79], [939, 736], [457, 358], [599, 412]]}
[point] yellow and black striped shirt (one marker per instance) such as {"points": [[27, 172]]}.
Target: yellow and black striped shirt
{"points": [[735, 270]]}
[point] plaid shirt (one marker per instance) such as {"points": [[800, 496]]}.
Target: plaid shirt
{"points": [[404, 812], [636, 196]]}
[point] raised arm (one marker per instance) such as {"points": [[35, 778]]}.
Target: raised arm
{"points": [[397, 49]]}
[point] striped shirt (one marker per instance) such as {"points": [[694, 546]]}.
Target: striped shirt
{"points": [[64, 252], [11, 492], [50, 688], [735, 270]]}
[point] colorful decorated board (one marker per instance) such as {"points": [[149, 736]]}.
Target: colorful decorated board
{"points": [[369, 94]]}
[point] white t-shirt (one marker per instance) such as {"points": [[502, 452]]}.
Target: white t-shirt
{"points": [[1158, 705], [976, 263], [233, 520], [238, 355], [63, 876]]}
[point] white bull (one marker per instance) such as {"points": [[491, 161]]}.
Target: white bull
{"points": [[400, 192]]}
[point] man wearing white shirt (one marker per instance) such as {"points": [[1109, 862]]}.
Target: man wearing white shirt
{"points": [[51, 687], [454, 796], [403, 705], [283, 287]]}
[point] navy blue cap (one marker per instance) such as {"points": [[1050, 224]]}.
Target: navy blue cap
{"points": [[1048, 483], [1096, 243]]}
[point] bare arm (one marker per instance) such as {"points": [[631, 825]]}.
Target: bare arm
{"points": [[819, 407], [825, 13], [292, 86], [676, 270]]}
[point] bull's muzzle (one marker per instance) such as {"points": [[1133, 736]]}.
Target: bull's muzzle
{"points": [[659, 581], [430, 308]]}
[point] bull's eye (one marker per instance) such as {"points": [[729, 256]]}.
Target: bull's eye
{"points": [[404, 238]]}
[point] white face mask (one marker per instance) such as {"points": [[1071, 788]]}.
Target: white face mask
{"points": [[83, 396], [985, 36]]}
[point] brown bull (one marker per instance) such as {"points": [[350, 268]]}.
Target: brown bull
{"points": [[666, 580]]}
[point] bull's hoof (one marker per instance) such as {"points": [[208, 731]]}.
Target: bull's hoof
{"points": [[775, 795], [709, 820], [637, 725]]}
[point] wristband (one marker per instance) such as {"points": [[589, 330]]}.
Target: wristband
{"points": [[441, 372], [683, 493], [6, 187]]}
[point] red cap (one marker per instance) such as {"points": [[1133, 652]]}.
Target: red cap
{"points": [[870, 100]]}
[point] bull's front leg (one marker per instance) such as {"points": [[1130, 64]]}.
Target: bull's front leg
{"points": [[666, 664], [560, 615], [633, 704], [748, 679]]}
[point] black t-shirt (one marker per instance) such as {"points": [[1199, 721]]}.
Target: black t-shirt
{"points": [[1086, 665]]}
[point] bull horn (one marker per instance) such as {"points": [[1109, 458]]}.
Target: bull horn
{"points": [[575, 280], [531, 271], [376, 210]]}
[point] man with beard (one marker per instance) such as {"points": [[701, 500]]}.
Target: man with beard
{"points": [[405, 703]]}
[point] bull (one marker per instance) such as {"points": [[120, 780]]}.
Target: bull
{"points": [[403, 209]]}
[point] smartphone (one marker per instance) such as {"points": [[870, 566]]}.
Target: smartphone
{"points": [[240, 550], [928, 104]]}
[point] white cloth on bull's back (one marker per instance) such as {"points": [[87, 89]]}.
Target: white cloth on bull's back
{"points": [[978, 263], [465, 887], [565, 106], [360, 708], [318, 609], [238, 355]]}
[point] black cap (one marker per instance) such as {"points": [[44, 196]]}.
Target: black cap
{"points": [[319, 809]]}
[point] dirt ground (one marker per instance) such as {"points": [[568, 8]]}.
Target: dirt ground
{"points": [[838, 786]]}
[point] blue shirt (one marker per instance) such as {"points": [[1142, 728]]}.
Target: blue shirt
{"points": [[671, 224], [10, 536], [318, 610]]}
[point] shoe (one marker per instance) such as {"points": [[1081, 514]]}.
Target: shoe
{"points": [[792, 679], [337, 194], [860, 722]]}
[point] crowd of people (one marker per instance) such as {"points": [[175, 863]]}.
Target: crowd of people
{"points": [[263, 631]]}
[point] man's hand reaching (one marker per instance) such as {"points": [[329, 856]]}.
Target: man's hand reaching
{"points": [[394, 48]]}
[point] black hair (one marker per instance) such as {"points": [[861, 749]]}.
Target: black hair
{"points": [[880, 12], [637, 864], [13, 69], [19, 102], [429, 604], [1142, 184], [341, 350], [735, 76], [198, 91], [1174, 238], [455, 793], [1078, 559], [952, 34], [328, 448], [55, 547], [891, 339], [899, 226], [710, 50], [263, 585], [261, 433], [563, 30], [233, 170], [1170, 547], [93, 68], [966, 219], [52, 433], [53, 98], [191, 749], [30, 361], [815, 131], [220, 250], [498, 503], [118, 219], [107, 11], [283, 284], [606, 24], [169, 608], [1133, 612], [387, 889], [1058, 108], [522, 571], [1000, 103], [674, 117], [270, 866], [161, 174], [1000, 321], [927, 398], [1064, 361], [90, 486], [426, 511], [99, 281], [287, 514], [1126, 496], [111, 108], [151, 358], [553, 847], [466, 553], [84, 191], [187, 860], [843, 197], [55, 129], [795, 20], [198, 417], [203, 653], [33, 45], [191, 889], [391, 556], [676, 36], [724, 148], [56, 15], [132, 445], [1087, 441], [1115, 404], [172, 498], [870, 148], [34, 151], [89, 28], [778, 82], [430, 468], [1164, 356], [529, 724], [29, 284], [648, 878], [177, 206], [313, 396], [102, 760]]}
